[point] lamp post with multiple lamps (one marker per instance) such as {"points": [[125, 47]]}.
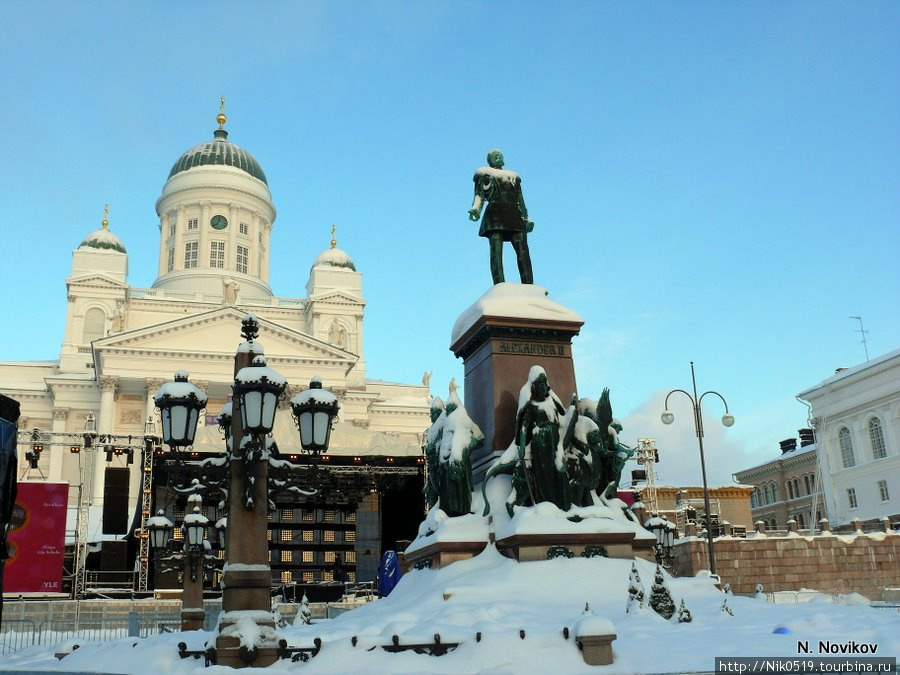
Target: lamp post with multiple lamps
{"points": [[247, 577], [727, 420], [664, 531]]}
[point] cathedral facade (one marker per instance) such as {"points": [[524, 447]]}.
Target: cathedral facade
{"points": [[216, 216]]}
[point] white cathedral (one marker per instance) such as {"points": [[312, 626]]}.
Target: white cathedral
{"points": [[121, 343]]}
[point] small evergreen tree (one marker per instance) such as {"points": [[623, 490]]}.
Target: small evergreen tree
{"points": [[725, 608], [726, 589], [684, 614], [660, 599], [304, 616], [635, 591]]}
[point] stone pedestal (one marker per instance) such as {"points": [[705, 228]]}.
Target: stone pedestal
{"points": [[440, 554], [511, 328], [528, 547]]}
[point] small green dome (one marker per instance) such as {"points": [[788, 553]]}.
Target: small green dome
{"points": [[219, 151], [103, 239]]}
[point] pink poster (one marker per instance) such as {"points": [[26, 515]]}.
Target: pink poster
{"points": [[37, 539]]}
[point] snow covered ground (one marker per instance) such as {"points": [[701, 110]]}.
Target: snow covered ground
{"points": [[499, 598]]}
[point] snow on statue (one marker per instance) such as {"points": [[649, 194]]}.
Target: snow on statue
{"points": [[448, 447], [569, 457]]}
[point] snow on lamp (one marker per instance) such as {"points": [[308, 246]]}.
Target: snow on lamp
{"points": [[160, 529], [195, 524], [179, 403], [315, 410], [258, 387]]}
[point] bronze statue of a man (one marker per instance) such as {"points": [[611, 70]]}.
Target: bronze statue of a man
{"points": [[506, 218]]}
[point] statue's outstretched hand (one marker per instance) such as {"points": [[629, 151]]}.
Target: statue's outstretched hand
{"points": [[529, 225], [473, 214]]}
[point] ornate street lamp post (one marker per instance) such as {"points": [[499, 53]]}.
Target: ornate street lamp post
{"points": [[727, 420], [664, 531]]}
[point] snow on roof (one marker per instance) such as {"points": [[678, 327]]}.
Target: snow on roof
{"points": [[847, 372], [334, 257], [521, 301]]}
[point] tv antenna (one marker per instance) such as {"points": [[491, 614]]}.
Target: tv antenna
{"points": [[863, 332]]}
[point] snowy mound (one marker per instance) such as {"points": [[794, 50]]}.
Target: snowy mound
{"points": [[334, 257], [516, 301]]}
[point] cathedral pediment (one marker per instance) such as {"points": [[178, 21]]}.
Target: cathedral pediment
{"points": [[337, 298], [201, 340], [96, 280]]}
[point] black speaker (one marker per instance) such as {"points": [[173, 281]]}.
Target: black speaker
{"points": [[113, 555], [115, 501]]}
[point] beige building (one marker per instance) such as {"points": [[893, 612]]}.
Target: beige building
{"points": [[785, 488], [683, 505]]}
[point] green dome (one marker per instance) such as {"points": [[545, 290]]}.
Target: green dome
{"points": [[219, 151], [103, 239]]}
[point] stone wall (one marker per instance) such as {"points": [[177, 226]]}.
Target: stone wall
{"points": [[864, 563]]}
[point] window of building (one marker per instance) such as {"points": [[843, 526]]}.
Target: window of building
{"points": [[190, 254], [269, 535], [286, 576], [94, 324], [172, 229], [846, 448], [350, 536], [883, 491], [170, 262], [350, 517], [269, 516], [790, 488], [329, 557], [309, 516], [774, 492], [797, 492], [351, 577], [876, 438], [287, 515], [192, 223], [765, 494], [308, 557], [244, 228], [308, 535], [327, 575], [308, 577], [328, 516], [287, 535], [287, 556], [178, 534], [807, 485], [243, 255], [328, 536], [217, 254], [851, 497], [350, 557]]}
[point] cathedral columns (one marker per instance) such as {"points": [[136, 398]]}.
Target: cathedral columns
{"points": [[108, 384], [57, 452], [163, 249], [264, 272], [203, 252], [179, 240]]}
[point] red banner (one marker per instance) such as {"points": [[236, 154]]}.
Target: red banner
{"points": [[37, 539]]}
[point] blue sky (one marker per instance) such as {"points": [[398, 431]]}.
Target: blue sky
{"points": [[715, 182]]}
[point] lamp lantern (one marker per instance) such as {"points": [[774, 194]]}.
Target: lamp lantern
{"points": [[160, 529], [195, 524], [315, 410], [179, 403], [258, 387]]}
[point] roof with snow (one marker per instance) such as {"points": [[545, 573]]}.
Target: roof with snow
{"points": [[219, 151], [334, 257]]}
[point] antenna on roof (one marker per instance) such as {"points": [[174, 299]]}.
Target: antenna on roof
{"points": [[863, 332]]}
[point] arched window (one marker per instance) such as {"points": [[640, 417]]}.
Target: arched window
{"points": [[94, 325], [774, 492], [753, 496], [773, 524], [806, 484], [876, 438], [790, 490], [801, 521], [846, 448], [796, 484], [766, 493]]}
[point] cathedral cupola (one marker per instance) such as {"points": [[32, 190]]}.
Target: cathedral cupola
{"points": [[215, 220]]}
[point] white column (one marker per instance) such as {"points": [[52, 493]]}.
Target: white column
{"points": [[264, 272], [233, 227], [180, 224], [163, 249], [153, 384], [104, 426], [255, 245], [203, 254], [57, 452]]}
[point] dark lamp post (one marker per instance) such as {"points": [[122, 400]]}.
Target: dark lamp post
{"points": [[315, 410], [160, 529], [258, 388], [224, 420], [727, 420], [179, 403]]}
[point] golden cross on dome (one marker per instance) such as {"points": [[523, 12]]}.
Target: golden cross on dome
{"points": [[333, 239], [220, 118], [105, 222]]}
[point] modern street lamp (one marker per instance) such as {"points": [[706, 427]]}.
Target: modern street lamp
{"points": [[727, 420]]}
